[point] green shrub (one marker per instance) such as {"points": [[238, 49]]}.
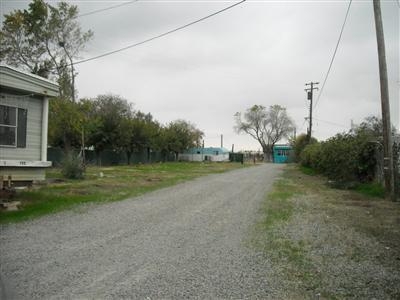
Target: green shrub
{"points": [[71, 167], [299, 144], [310, 155], [342, 158], [339, 158]]}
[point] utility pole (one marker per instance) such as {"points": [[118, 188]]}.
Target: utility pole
{"points": [[202, 151], [222, 140], [310, 97], [387, 130]]}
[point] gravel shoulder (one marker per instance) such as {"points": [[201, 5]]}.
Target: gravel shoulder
{"points": [[327, 243], [186, 241]]}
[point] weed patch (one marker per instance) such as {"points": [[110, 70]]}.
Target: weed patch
{"points": [[371, 189], [307, 170]]}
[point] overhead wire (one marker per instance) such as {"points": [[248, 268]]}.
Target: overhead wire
{"points": [[106, 8], [332, 123], [158, 36], [334, 54], [304, 122]]}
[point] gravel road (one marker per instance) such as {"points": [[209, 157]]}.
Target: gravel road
{"points": [[186, 241]]}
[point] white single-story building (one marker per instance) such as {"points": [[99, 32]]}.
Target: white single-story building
{"points": [[205, 154], [24, 106]]}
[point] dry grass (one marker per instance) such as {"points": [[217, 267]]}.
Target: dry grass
{"points": [[334, 244]]}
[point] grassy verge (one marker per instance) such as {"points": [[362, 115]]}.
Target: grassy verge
{"points": [[105, 184], [371, 189], [327, 243], [287, 253], [368, 189]]}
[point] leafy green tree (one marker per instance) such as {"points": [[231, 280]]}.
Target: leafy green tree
{"points": [[108, 115], [266, 126], [300, 143], [44, 40], [138, 133], [65, 124], [178, 136]]}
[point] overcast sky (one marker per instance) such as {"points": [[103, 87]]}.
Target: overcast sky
{"points": [[260, 52]]}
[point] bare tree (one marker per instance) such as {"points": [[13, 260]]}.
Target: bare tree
{"points": [[265, 126]]}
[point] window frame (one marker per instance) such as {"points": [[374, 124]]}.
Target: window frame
{"points": [[11, 126]]}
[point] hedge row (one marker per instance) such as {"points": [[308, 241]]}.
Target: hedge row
{"points": [[346, 157]]}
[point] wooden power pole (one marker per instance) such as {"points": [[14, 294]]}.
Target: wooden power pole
{"points": [[387, 125], [310, 97]]}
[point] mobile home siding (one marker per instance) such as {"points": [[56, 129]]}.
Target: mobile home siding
{"points": [[34, 128], [23, 174]]}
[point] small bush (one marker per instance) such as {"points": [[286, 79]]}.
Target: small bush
{"points": [[72, 168], [299, 144], [310, 156]]}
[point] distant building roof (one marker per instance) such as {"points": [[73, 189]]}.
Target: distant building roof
{"points": [[207, 151], [282, 147]]}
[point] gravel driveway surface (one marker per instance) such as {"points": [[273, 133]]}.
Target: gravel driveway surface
{"points": [[186, 241]]}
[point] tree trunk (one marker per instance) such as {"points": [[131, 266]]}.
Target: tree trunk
{"points": [[148, 155], [267, 155], [128, 157], [98, 157], [67, 144]]}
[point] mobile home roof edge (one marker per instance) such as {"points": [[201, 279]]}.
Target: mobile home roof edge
{"points": [[13, 78]]}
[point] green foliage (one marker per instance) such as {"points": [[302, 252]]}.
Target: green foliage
{"points": [[307, 170], [65, 123], [344, 158], [72, 168], [44, 40], [107, 114], [138, 132], [300, 143], [371, 189], [109, 122], [310, 156], [178, 136]]}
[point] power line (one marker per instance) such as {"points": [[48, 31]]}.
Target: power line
{"points": [[334, 54], [105, 9], [304, 122], [159, 36], [332, 123]]}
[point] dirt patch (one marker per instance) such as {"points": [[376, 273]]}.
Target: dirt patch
{"points": [[153, 179]]}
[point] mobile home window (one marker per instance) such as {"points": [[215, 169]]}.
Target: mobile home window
{"points": [[13, 126]]}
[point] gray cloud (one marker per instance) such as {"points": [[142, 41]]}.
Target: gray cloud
{"points": [[262, 52]]}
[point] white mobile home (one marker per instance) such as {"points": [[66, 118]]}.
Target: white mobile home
{"points": [[24, 105], [205, 154]]}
